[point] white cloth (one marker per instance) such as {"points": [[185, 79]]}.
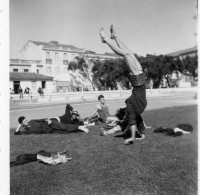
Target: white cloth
{"points": [[53, 160], [180, 130]]}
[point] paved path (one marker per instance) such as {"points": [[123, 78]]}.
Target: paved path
{"points": [[87, 108]]}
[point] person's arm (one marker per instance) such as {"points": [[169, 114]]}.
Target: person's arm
{"points": [[18, 128], [97, 107]]}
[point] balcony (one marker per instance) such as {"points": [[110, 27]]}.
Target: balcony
{"points": [[65, 62], [48, 61]]}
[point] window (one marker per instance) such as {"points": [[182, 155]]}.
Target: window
{"points": [[15, 70], [25, 70], [56, 56], [65, 70], [33, 83], [48, 70], [43, 84], [65, 62], [64, 56], [48, 56], [57, 70], [48, 61]]}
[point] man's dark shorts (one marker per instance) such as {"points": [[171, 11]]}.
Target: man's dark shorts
{"points": [[136, 104]]}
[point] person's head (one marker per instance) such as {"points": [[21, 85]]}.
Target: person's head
{"points": [[101, 99], [23, 121], [121, 113]]}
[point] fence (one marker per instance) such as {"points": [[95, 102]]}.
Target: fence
{"points": [[93, 95]]}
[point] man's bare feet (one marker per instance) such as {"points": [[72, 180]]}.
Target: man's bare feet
{"points": [[128, 141], [142, 136], [102, 35], [112, 31]]}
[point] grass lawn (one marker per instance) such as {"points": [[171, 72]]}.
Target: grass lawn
{"points": [[158, 164]]}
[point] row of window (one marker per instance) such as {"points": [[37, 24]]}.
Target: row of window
{"points": [[49, 61], [25, 70], [57, 70], [65, 56]]}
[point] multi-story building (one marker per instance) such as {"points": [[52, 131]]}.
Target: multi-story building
{"points": [[27, 73], [52, 59], [185, 80], [184, 53]]}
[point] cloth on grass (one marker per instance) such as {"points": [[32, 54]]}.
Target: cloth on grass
{"points": [[43, 156], [179, 130]]}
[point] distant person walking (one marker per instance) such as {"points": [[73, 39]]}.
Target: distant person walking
{"points": [[27, 90], [40, 91], [20, 91]]}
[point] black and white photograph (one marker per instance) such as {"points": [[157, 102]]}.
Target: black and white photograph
{"points": [[102, 97]]}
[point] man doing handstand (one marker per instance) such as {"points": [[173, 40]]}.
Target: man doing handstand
{"points": [[137, 102]]}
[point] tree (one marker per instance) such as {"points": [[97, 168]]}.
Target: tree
{"points": [[82, 67], [98, 77], [160, 67], [110, 72], [190, 65]]}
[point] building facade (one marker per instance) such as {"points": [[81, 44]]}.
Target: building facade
{"points": [[184, 80], [30, 80], [52, 59]]}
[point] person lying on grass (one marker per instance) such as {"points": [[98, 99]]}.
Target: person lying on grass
{"points": [[70, 116], [46, 126]]}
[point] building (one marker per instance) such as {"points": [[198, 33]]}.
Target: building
{"points": [[52, 59], [184, 80], [186, 52], [19, 65], [31, 80]]}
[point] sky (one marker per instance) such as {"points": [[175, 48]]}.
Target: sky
{"points": [[145, 27]]}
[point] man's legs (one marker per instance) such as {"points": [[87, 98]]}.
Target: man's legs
{"points": [[132, 138], [68, 127], [111, 131], [122, 46], [115, 48], [111, 120], [121, 50]]}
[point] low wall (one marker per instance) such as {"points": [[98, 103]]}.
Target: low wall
{"points": [[93, 95], [23, 101]]}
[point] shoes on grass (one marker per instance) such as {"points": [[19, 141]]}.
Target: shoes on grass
{"points": [[82, 128]]}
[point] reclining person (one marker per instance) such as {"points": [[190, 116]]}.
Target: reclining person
{"points": [[70, 116], [46, 126]]}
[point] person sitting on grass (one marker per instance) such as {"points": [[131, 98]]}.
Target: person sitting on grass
{"points": [[122, 125], [102, 113], [46, 126]]}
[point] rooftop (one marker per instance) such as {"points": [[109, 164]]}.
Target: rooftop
{"points": [[185, 51], [27, 76], [54, 45]]}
